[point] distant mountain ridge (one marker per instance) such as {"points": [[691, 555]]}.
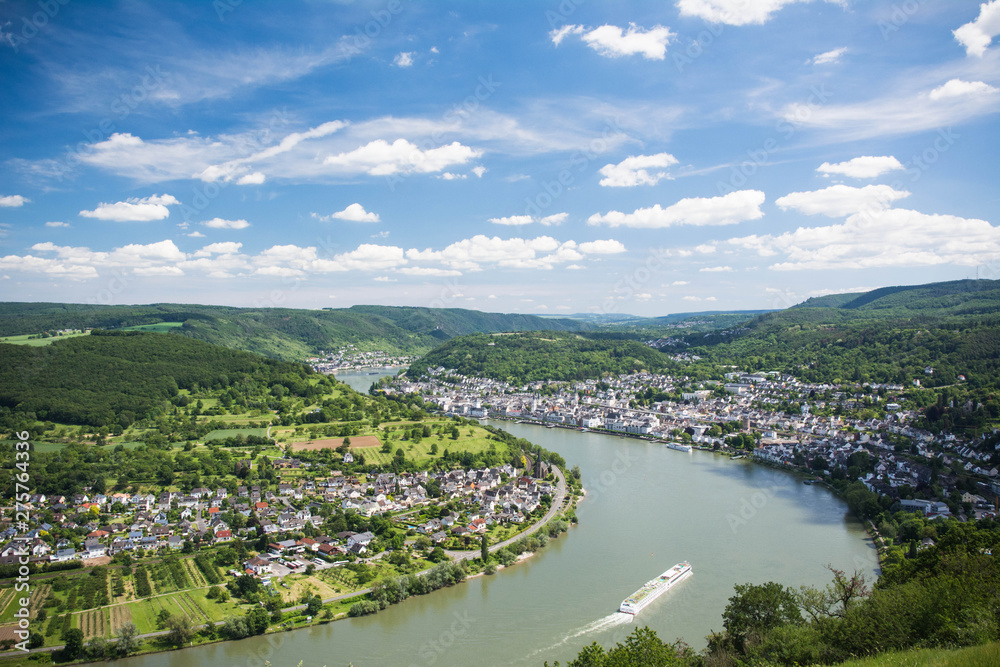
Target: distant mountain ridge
{"points": [[284, 333]]}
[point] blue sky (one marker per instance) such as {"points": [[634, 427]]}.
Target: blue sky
{"points": [[538, 157]]}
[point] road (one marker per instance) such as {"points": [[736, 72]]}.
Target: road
{"points": [[557, 503]]}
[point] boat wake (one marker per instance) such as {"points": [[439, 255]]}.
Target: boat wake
{"points": [[601, 624], [606, 623]]}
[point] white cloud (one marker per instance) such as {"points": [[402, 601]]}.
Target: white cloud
{"points": [[557, 36], [520, 220], [882, 238], [513, 220], [705, 249], [157, 271], [403, 59], [977, 35], [829, 57], [134, 210], [735, 12], [679, 283], [255, 178], [479, 171], [57, 224], [428, 272], [384, 279], [224, 248], [910, 108], [840, 200], [196, 235], [602, 247], [353, 213], [449, 176], [239, 168], [632, 171], [543, 252], [380, 158], [221, 223], [716, 269], [866, 166], [613, 42], [725, 210], [959, 88], [13, 201]]}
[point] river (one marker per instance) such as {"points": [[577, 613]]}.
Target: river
{"points": [[647, 508]]}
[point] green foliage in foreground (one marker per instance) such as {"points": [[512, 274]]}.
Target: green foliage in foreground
{"points": [[944, 598]]}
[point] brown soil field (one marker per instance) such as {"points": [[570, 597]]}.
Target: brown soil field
{"points": [[357, 442]]}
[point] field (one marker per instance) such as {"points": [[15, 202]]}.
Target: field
{"points": [[357, 442], [159, 327], [223, 433], [26, 339]]}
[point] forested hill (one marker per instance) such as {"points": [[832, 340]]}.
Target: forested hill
{"points": [[121, 377], [283, 333], [525, 357], [893, 334], [957, 297]]}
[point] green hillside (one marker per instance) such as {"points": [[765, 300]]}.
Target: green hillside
{"points": [[888, 335], [525, 357], [283, 333], [121, 377]]}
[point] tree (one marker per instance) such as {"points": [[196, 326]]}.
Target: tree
{"points": [[128, 639], [180, 630], [757, 609], [257, 621], [484, 550], [74, 644], [315, 605]]}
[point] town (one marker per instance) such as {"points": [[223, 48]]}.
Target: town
{"points": [[863, 432]]}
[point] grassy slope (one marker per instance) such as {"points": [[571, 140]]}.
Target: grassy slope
{"points": [[973, 656]]}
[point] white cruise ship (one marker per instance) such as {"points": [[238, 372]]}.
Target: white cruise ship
{"points": [[680, 447], [651, 590]]}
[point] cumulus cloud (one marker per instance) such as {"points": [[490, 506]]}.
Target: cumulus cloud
{"points": [[840, 200], [976, 35], [479, 171], [380, 158], [829, 57], [403, 59], [519, 220], [866, 166], [735, 12], [960, 88], [602, 247], [134, 210], [13, 201], [716, 269], [353, 213], [224, 248], [725, 210], [513, 220], [614, 42], [56, 224], [632, 171], [255, 178], [882, 238], [221, 223], [543, 252]]}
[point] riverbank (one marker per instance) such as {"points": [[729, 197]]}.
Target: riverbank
{"points": [[342, 603]]}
